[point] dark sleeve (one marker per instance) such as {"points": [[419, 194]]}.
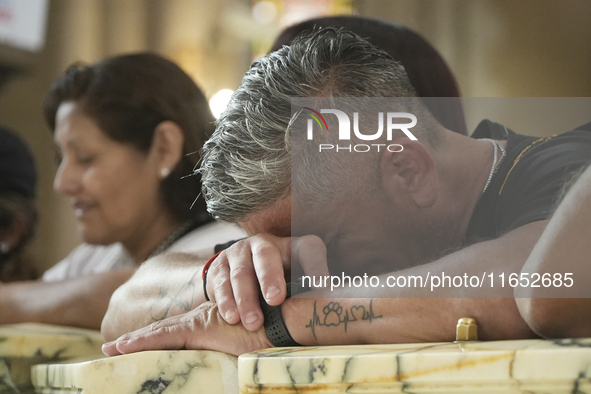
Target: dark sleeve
{"points": [[535, 184], [219, 247]]}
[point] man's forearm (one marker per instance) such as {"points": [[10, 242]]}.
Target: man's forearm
{"points": [[400, 320], [330, 320], [322, 321], [79, 302], [162, 287]]}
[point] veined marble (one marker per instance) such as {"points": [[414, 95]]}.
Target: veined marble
{"points": [[152, 372], [25, 345], [526, 366]]}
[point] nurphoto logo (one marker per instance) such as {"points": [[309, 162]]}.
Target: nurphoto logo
{"points": [[392, 123]]}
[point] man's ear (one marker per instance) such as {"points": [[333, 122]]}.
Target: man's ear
{"points": [[167, 146], [407, 167]]}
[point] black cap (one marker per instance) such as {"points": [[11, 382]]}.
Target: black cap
{"points": [[17, 167]]}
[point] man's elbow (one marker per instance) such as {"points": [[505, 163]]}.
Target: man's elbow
{"points": [[113, 324], [108, 330], [557, 317]]}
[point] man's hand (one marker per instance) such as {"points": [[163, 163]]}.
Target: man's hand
{"points": [[264, 260], [200, 329]]}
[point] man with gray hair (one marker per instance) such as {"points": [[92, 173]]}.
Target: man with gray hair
{"points": [[412, 199]]}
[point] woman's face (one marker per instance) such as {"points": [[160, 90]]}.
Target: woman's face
{"points": [[113, 187]]}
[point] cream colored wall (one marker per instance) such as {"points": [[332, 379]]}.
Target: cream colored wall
{"points": [[508, 48], [495, 47]]}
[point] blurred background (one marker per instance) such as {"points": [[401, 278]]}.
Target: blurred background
{"points": [[496, 48]]}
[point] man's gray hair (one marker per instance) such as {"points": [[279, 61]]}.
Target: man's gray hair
{"points": [[246, 163]]}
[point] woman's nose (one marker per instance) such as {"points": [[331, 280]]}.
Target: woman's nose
{"points": [[66, 179]]}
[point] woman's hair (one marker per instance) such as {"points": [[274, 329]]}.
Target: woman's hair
{"points": [[128, 96], [18, 184], [427, 71], [13, 264]]}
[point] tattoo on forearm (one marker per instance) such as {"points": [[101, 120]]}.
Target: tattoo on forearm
{"points": [[333, 314], [164, 304]]}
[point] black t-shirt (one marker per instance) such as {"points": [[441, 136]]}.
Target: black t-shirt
{"points": [[529, 180]]}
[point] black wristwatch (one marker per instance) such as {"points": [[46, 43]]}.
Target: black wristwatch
{"points": [[274, 325]]}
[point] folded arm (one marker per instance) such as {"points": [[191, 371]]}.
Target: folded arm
{"points": [[427, 319], [164, 286], [330, 321]]}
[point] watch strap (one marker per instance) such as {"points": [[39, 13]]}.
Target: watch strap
{"points": [[275, 325]]}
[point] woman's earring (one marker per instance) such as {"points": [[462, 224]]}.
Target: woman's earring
{"points": [[164, 173], [4, 247]]}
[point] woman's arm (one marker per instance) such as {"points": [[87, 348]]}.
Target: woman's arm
{"points": [[80, 302]]}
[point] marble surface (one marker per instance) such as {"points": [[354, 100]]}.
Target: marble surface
{"points": [[153, 372], [25, 345], [527, 366]]}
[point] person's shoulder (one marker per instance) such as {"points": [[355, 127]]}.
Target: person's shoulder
{"points": [[583, 127], [493, 130], [489, 129], [575, 142], [559, 154], [530, 179], [89, 259], [581, 133], [207, 236], [90, 255]]}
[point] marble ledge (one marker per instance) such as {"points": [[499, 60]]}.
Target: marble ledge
{"points": [[526, 366], [151, 372], [25, 345], [52, 342]]}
